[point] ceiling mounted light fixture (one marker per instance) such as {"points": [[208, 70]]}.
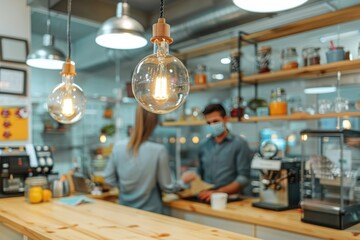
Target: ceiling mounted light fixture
{"points": [[160, 81], [122, 31], [66, 103], [47, 57], [265, 6], [320, 90]]}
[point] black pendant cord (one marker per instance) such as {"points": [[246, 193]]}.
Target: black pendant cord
{"points": [[256, 90], [161, 8], [239, 72], [68, 29], [48, 22]]}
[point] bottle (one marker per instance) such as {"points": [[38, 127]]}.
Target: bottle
{"points": [[234, 62], [200, 77], [278, 104], [264, 59], [37, 189], [237, 107], [311, 56], [289, 59]]}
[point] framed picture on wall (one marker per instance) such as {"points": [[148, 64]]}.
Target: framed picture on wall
{"points": [[13, 81], [13, 50]]}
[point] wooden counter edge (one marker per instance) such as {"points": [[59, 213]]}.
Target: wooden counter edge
{"points": [[11, 221], [260, 217]]}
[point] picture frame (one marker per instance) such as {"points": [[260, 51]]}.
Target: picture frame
{"points": [[13, 81], [14, 50]]}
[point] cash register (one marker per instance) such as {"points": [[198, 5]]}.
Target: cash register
{"points": [[19, 162]]}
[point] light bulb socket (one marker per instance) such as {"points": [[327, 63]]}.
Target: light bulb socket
{"points": [[122, 9], [161, 31], [68, 68], [48, 40]]}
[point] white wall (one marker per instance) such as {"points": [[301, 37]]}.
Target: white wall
{"points": [[15, 23]]}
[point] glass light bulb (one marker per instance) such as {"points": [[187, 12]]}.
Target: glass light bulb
{"points": [[66, 103], [160, 81]]}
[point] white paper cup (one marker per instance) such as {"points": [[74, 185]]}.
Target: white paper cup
{"points": [[219, 201]]}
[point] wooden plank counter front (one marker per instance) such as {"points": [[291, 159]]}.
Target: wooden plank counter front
{"points": [[101, 221], [288, 221]]}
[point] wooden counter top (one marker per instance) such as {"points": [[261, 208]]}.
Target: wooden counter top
{"points": [[101, 221], [290, 220]]}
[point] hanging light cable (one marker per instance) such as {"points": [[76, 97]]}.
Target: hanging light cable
{"points": [[47, 57], [160, 81], [268, 5], [122, 31], [66, 103]]}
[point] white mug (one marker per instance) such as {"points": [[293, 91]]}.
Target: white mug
{"points": [[219, 201]]}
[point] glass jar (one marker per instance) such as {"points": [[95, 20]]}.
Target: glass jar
{"points": [[200, 77], [34, 189], [264, 59], [278, 104], [289, 59], [237, 107], [311, 56]]}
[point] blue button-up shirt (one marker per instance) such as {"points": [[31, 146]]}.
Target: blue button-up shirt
{"points": [[225, 162]]}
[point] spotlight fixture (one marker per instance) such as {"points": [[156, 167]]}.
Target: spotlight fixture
{"points": [[225, 60], [320, 90], [160, 81], [66, 103], [47, 57], [265, 6], [122, 31]]}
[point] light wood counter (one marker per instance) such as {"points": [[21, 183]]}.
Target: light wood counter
{"points": [[101, 221], [290, 220]]}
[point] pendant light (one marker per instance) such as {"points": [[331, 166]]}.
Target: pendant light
{"points": [[122, 31], [66, 103], [264, 6], [160, 81], [47, 57]]}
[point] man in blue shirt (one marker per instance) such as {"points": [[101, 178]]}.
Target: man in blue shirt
{"points": [[225, 158]]}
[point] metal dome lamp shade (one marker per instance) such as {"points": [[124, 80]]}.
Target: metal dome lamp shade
{"points": [[122, 31], [46, 57], [265, 6]]}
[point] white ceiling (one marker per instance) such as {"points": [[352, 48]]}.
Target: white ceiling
{"points": [[178, 11]]}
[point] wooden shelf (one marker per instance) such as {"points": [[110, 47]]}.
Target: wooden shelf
{"points": [[214, 85], [301, 117], [306, 72], [325, 20], [347, 66], [293, 117]]}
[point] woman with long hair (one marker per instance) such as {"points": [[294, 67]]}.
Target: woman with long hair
{"points": [[140, 168]]}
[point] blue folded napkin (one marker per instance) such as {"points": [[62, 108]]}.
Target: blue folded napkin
{"points": [[74, 201]]}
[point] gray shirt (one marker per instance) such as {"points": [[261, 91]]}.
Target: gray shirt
{"points": [[140, 179], [225, 162]]}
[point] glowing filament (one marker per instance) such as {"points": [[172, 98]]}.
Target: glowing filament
{"points": [[67, 107], [161, 93]]}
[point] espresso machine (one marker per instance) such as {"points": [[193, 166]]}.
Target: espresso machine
{"points": [[19, 162], [279, 179]]}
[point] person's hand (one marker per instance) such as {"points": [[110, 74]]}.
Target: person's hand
{"points": [[206, 195], [188, 176]]}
